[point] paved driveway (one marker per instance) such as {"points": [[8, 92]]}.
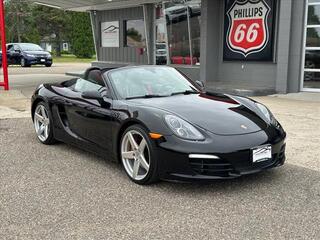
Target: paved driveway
{"points": [[60, 192]]}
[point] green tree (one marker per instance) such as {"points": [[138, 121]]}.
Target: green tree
{"points": [[52, 22], [26, 22], [20, 24], [81, 35]]}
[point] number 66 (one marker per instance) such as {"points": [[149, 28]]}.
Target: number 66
{"points": [[251, 35]]}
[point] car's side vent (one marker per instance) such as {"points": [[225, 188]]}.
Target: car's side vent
{"points": [[63, 115]]}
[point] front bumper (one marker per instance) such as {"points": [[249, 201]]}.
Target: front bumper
{"points": [[232, 163], [39, 60]]}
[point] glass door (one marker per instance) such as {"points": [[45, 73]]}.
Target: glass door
{"points": [[161, 48], [311, 73], [178, 32]]}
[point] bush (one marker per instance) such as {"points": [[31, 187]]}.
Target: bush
{"points": [[65, 52]]}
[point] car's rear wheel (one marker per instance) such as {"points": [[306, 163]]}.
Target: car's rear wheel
{"points": [[43, 124], [137, 156]]}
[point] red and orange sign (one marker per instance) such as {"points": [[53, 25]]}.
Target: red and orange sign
{"points": [[248, 27]]}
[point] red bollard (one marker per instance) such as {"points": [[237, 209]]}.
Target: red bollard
{"points": [[5, 84]]}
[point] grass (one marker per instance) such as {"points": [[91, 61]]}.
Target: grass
{"points": [[72, 59]]}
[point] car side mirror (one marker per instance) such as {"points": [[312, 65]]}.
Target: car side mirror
{"points": [[200, 84], [17, 51], [95, 95], [101, 97]]}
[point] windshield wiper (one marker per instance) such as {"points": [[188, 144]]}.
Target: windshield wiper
{"points": [[147, 96], [187, 92]]}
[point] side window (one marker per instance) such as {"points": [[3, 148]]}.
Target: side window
{"points": [[10, 48], [83, 85], [94, 82]]}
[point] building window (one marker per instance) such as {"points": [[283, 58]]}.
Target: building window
{"points": [[311, 76], [183, 30], [135, 34]]}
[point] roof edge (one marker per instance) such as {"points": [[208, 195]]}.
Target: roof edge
{"points": [[80, 7]]}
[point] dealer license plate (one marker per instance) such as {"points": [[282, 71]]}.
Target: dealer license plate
{"points": [[42, 60], [261, 154]]}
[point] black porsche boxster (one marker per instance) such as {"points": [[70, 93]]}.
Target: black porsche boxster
{"points": [[159, 124]]}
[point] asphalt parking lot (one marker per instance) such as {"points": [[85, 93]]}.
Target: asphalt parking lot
{"points": [[60, 192]]}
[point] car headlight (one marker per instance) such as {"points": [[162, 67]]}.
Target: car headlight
{"points": [[31, 55], [183, 129], [49, 55], [266, 112]]}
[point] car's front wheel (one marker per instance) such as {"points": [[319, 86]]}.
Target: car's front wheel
{"points": [[137, 156], [43, 124], [24, 63], [48, 64]]}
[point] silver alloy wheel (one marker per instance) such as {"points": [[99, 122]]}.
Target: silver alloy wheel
{"points": [[135, 155], [23, 62], [41, 123]]}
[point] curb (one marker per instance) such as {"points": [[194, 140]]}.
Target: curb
{"points": [[13, 104]]}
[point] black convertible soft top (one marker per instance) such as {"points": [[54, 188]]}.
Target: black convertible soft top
{"points": [[103, 70]]}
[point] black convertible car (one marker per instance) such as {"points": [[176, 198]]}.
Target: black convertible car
{"points": [[159, 124]]}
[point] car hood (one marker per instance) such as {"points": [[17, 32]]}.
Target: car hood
{"points": [[218, 113]]}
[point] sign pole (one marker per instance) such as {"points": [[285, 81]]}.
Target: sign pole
{"points": [[5, 84]]}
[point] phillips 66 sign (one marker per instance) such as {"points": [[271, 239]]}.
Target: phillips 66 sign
{"points": [[249, 28]]}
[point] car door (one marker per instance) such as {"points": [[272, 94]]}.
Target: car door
{"points": [[10, 54], [15, 54], [91, 119]]}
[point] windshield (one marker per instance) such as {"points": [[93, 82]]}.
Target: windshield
{"points": [[150, 81], [30, 47]]}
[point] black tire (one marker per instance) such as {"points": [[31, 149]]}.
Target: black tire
{"points": [[190, 12], [24, 63], [50, 140], [48, 65], [152, 176], [167, 20]]}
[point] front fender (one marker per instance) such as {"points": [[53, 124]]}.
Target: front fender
{"points": [[39, 95], [152, 118]]}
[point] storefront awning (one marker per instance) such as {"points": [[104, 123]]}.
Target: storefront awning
{"points": [[84, 5]]}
